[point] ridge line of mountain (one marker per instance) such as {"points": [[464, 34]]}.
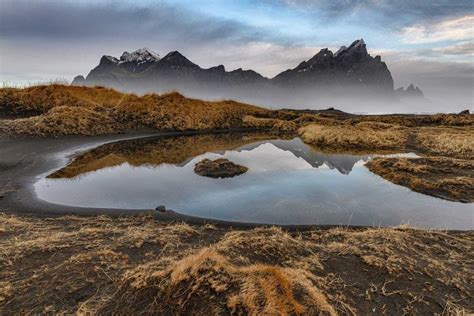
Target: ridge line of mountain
{"points": [[350, 70]]}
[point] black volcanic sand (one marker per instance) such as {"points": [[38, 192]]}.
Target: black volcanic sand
{"points": [[65, 264], [24, 158], [130, 264]]}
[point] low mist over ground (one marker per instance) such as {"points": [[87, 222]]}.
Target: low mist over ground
{"points": [[424, 43], [349, 79]]}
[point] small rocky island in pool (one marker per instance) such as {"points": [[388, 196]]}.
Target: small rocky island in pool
{"points": [[219, 168]]}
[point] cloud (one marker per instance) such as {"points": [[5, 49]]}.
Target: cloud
{"points": [[269, 59], [66, 20], [401, 11], [465, 49], [44, 39], [451, 29]]}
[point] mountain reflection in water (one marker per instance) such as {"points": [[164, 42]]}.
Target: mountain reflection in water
{"points": [[287, 182], [178, 150]]}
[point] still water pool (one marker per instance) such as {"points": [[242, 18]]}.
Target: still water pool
{"points": [[288, 182]]}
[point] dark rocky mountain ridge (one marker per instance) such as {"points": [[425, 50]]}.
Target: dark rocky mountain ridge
{"points": [[348, 66], [351, 71]]}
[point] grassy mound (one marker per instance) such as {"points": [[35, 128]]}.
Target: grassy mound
{"points": [[269, 123], [417, 120], [447, 141], [130, 265], [65, 110], [447, 178], [370, 135]]}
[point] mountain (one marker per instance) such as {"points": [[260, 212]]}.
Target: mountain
{"points": [[350, 72], [411, 92], [349, 66]]}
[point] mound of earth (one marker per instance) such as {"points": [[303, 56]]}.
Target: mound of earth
{"points": [[442, 177], [219, 168]]}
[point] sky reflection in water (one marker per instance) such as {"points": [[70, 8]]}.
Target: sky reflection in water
{"points": [[287, 183]]}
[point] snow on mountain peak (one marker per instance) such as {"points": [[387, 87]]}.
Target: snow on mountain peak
{"points": [[140, 55]]}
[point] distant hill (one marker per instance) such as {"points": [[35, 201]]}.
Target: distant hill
{"points": [[411, 92]]}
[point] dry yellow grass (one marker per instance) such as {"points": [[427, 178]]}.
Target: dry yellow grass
{"points": [[62, 110], [362, 135], [130, 265], [269, 123], [447, 178], [450, 141], [447, 141], [417, 120]]}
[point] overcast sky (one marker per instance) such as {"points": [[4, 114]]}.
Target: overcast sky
{"points": [[429, 43]]}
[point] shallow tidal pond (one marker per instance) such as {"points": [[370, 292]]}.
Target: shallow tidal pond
{"points": [[287, 182]]}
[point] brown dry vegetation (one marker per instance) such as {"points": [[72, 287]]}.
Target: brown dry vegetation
{"points": [[417, 120], [447, 141], [61, 110], [451, 179], [65, 110], [370, 135], [269, 123], [137, 265]]}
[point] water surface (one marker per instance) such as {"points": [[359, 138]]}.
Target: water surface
{"points": [[288, 182]]}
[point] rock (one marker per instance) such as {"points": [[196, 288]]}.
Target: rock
{"points": [[78, 81], [410, 92], [464, 112], [219, 168], [161, 208]]}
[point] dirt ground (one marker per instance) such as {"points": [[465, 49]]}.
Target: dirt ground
{"points": [[138, 265], [159, 264]]}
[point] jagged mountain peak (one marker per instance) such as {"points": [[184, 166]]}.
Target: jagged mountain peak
{"points": [[411, 91], [356, 50], [174, 55], [324, 53], [350, 65], [175, 58], [140, 55], [219, 68], [340, 50], [357, 44], [106, 59]]}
